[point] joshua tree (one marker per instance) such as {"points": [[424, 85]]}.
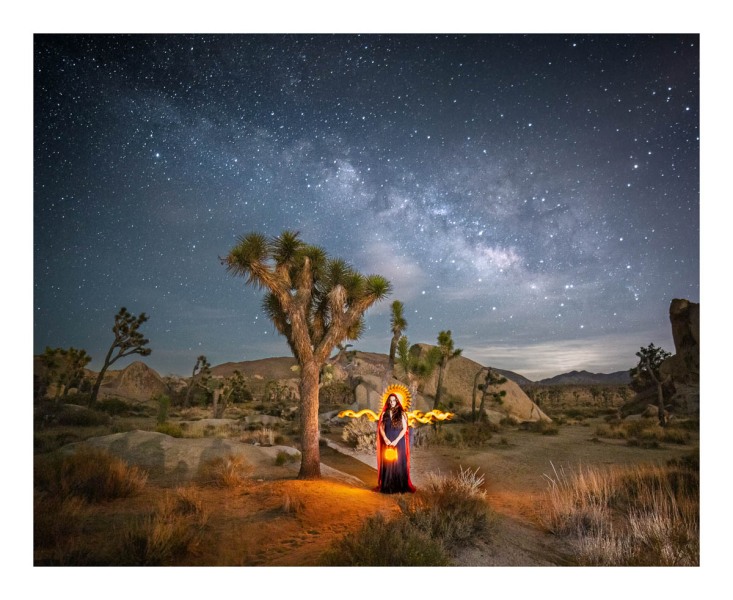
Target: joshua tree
{"points": [[199, 377], [65, 368], [447, 353], [398, 324], [128, 340], [314, 301], [232, 389], [647, 370], [492, 378], [415, 368]]}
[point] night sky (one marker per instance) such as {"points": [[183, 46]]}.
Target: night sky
{"points": [[537, 195]]}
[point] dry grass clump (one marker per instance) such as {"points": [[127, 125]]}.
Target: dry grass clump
{"points": [[261, 436], [450, 508], [292, 504], [170, 429], [645, 432], [283, 457], [641, 515], [361, 434], [165, 536], [56, 521], [380, 542], [89, 473], [229, 471], [543, 427]]}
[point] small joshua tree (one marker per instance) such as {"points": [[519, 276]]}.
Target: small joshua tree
{"points": [[200, 377], [398, 324], [492, 378], [647, 370], [447, 353], [128, 340], [415, 368]]}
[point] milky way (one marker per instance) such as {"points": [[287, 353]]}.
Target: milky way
{"points": [[537, 195]]}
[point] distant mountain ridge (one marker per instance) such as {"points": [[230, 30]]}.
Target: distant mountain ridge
{"points": [[587, 378]]}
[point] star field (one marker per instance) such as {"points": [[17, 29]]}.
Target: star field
{"points": [[537, 195]]}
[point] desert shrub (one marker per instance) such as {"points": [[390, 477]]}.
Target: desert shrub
{"points": [[543, 427], [292, 504], [285, 457], [335, 394], [643, 515], [170, 429], [89, 473], [164, 403], [229, 471], [113, 406], [187, 501], [645, 433], [478, 434], [79, 416], [509, 421], [166, 535], [361, 434], [264, 436], [56, 519], [380, 542], [451, 508]]}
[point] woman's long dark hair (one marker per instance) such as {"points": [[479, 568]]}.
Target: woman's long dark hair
{"points": [[395, 413]]}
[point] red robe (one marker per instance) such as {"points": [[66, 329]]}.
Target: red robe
{"points": [[403, 461]]}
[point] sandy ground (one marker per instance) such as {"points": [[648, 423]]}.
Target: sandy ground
{"points": [[277, 519]]}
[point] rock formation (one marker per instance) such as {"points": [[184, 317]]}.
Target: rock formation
{"points": [[684, 366], [137, 382]]}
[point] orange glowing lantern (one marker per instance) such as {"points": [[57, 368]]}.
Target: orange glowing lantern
{"points": [[390, 453]]}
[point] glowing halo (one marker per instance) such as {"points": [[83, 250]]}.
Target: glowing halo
{"points": [[403, 395]]}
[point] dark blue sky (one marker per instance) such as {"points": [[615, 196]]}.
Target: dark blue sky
{"points": [[538, 195]]}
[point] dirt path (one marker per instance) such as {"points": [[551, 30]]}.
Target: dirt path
{"points": [[516, 468]]}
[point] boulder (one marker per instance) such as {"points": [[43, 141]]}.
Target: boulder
{"points": [[684, 366], [137, 382], [458, 384]]}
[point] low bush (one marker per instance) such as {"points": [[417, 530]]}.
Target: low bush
{"points": [[71, 416], [478, 434], [164, 402], [170, 429], [361, 434], [379, 542], [286, 457], [89, 473], [113, 406], [645, 433], [451, 508], [165, 536], [543, 427], [229, 471]]}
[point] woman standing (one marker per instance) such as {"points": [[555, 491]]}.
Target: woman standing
{"points": [[393, 448]]}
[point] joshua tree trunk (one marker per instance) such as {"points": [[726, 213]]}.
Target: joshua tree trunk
{"points": [[98, 382], [484, 394], [439, 391], [310, 466], [660, 397], [473, 395], [393, 350]]}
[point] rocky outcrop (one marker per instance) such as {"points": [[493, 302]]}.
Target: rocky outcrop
{"points": [[136, 382], [684, 366], [458, 384]]}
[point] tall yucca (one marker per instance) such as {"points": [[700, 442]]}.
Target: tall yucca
{"points": [[398, 324], [313, 300]]}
